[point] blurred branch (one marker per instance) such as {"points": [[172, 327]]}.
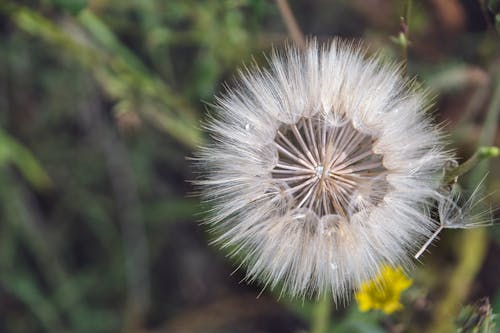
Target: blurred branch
{"points": [[24, 289], [494, 7], [291, 24], [150, 85], [408, 8], [455, 79], [128, 209], [459, 76], [480, 155], [13, 279], [120, 74], [493, 115], [477, 318], [14, 152], [404, 35], [22, 212]]}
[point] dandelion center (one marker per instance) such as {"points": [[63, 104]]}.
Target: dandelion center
{"points": [[319, 171], [329, 169]]}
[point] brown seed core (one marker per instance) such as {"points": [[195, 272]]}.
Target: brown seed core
{"points": [[329, 169]]}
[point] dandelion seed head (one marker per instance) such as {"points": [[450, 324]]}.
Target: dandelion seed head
{"points": [[461, 211], [321, 169]]}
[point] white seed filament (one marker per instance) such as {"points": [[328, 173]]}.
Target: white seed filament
{"points": [[329, 169]]}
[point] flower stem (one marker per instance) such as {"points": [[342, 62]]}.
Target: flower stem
{"points": [[472, 245], [409, 4], [481, 154], [321, 315], [403, 37], [291, 24]]}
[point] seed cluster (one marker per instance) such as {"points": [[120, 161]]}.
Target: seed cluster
{"points": [[329, 169], [323, 169]]}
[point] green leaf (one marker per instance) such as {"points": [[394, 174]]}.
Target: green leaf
{"points": [[25, 290], [71, 6], [11, 151], [477, 318]]}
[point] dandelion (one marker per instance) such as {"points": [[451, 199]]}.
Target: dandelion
{"points": [[383, 292], [322, 170], [456, 212]]}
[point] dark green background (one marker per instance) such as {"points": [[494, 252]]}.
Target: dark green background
{"points": [[101, 102]]}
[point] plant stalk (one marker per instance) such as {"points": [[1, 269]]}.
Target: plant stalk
{"points": [[321, 315]]}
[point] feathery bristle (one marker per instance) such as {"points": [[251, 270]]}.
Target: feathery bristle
{"points": [[322, 169]]}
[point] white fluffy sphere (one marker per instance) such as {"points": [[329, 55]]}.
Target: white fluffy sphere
{"points": [[322, 168]]}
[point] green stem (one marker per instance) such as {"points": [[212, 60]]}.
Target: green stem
{"points": [[404, 35], [321, 315], [409, 4], [471, 248], [481, 154]]}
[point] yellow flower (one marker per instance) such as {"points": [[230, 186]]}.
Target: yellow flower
{"points": [[382, 293]]}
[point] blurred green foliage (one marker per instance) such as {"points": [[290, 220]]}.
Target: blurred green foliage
{"points": [[63, 69], [477, 318]]}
